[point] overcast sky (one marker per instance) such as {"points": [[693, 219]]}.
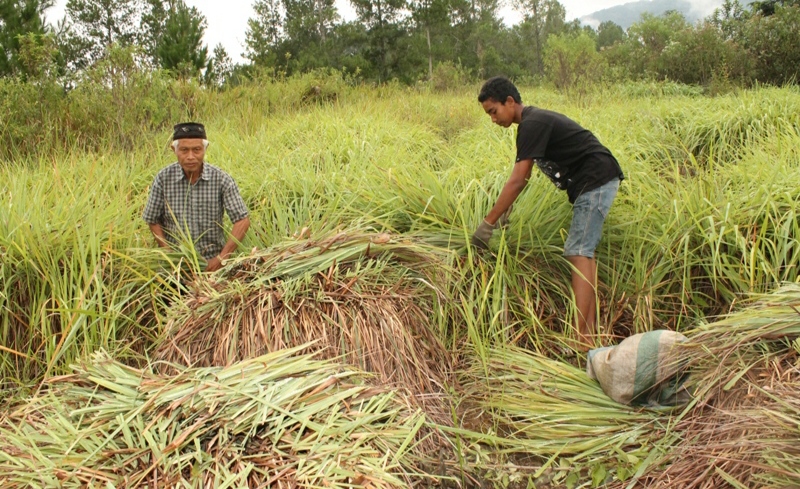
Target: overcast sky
{"points": [[227, 19]]}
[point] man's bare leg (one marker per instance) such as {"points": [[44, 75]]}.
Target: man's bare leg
{"points": [[584, 286]]}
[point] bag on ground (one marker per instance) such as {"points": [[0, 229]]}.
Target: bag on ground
{"points": [[642, 370]]}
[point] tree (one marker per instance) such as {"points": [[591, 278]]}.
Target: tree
{"points": [[729, 19], [264, 32], [295, 32], [308, 25], [383, 22], [648, 38], [541, 18], [434, 21], [96, 25], [220, 68], [768, 7], [19, 18], [608, 34], [572, 61], [772, 42], [700, 54], [178, 45]]}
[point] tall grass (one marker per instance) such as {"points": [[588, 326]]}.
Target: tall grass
{"points": [[707, 212]]}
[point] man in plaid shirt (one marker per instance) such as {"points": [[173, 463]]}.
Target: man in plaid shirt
{"points": [[188, 198]]}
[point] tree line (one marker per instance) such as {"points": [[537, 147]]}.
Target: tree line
{"points": [[112, 70], [408, 41]]}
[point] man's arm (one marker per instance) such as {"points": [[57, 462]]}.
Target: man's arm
{"points": [[511, 190], [154, 210], [240, 228], [158, 233]]}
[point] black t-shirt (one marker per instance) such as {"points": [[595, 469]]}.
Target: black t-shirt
{"points": [[568, 154]]}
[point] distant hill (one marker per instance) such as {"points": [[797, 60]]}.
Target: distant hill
{"points": [[626, 14]]}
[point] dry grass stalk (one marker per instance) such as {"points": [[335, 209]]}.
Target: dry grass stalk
{"points": [[747, 436]]}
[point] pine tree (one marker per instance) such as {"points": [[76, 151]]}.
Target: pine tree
{"points": [[179, 47], [18, 18], [96, 25]]}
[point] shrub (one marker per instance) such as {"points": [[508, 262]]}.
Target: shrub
{"points": [[449, 76], [571, 62]]}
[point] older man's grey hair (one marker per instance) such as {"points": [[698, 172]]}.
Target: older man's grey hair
{"points": [[175, 144]]}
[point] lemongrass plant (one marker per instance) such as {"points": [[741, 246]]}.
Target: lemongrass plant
{"points": [[283, 420], [705, 216]]}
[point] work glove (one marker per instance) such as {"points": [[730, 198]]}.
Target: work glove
{"points": [[482, 235], [503, 222]]}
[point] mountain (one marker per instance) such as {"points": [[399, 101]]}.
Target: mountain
{"points": [[626, 14]]}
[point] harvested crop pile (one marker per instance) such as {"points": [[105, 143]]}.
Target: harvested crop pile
{"points": [[742, 428], [278, 420], [366, 299], [552, 418]]}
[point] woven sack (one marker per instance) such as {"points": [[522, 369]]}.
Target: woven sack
{"points": [[642, 370]]}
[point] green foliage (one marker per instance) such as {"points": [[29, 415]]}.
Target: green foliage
{"points": [[30, 124], [405, 40], [697, 54], [220, 68], [572, 62], [385, 36], [173, 37], [540, 19], [264, 33], [292, 36], [608, 34], [180, 48], [771, 41], [117, 101], [96, 25], [19, 18], [648, 38], [448, 76]]}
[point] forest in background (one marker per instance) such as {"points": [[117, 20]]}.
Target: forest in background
{"points": [[114, 69], [406, 40]]}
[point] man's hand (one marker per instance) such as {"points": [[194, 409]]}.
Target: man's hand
{"points": [[482, 235], [214, 264]]}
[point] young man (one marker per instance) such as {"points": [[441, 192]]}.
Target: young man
{"points": [[575, 161], [188, 198]]}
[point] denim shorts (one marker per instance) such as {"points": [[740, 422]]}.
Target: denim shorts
{"points": [[588, 214]]}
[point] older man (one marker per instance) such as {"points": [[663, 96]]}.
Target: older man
{"points": [[188, 198]]}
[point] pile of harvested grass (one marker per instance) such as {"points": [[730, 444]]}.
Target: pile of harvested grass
{"points": [[555, 421], [279, 420], [742, 429], [366, 299]]}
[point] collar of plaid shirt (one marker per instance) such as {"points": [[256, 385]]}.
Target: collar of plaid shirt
{"points": [[204, 175]]}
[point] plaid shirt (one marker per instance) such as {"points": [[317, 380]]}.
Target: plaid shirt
{"points": [[194, 211]]}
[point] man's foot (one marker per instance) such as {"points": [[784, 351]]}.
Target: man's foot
{"points": [[583, 343]]}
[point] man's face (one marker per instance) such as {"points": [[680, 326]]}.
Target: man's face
{"points": [[501, 114], [190, 153]]}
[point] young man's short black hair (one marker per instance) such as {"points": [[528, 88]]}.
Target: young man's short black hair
{"points": [[499, 88]]}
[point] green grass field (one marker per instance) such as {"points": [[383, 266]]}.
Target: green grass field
{"points": [[706, 218]]}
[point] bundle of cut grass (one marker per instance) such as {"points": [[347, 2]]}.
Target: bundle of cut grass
{"points": [[740, 430], [366, 299], [281, 420], [558, 421]]}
